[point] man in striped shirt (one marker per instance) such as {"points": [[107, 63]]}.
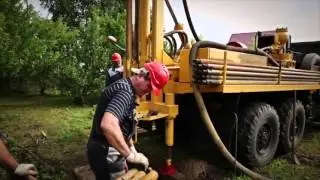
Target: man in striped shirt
{"points": [[110, 143]]}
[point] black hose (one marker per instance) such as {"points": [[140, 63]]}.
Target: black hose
{"points": [[170, 44], [205, 116], [174, 42], [183, 35], [178, 32], [185, 5], [172, 13]]}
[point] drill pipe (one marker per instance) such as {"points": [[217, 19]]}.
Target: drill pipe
{"points": [[211, 81], [213, 77], [256, 79], [234, 82], [128, 175], [138, 175], [213, 74], [134, 174], [231, 63], [254, 72], [299, 77], [301, 73], [254, 69], [235, 73], [235, 68], [152, 175]]}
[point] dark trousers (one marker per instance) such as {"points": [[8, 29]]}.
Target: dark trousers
{"points": [[102, 168]]}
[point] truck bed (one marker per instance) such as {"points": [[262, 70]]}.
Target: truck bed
{"points": [[183, 88], [229, 77]]}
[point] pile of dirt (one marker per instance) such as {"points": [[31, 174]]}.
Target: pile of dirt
{"points": [[197, 169]]}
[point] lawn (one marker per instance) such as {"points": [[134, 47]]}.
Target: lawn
{"points": [[50, 128], [52, 133]]}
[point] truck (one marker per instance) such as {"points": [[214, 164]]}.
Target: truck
{"points": [[267, 87]]}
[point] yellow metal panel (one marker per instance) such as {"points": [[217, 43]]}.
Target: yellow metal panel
{"points": [[171, 110], [236, 57], [184, 72], [156, 98], [176, 87], [183, 88], [127, 63], [244, 58], [166, 59], [144, 30], [157, 29], [211, 53], [154, 117], [169, 131], [169, 98], [174, 72], [268, 88], [143, 106]]}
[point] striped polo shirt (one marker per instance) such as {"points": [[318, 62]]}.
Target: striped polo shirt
{"points": [[119, 99]]}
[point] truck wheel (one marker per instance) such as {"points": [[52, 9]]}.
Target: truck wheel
{"points": [[259, 134], [309, 61], [285, 111]]}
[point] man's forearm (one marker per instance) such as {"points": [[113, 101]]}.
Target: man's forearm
{"points": [[113, 134], [117, 141], [130, 142], [6, 158]]}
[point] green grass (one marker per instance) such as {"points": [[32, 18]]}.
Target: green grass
{"points": [[281, 168], [67, 128], [311, 143]]}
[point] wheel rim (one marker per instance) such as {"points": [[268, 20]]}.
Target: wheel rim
{"points": [[264, 137]]}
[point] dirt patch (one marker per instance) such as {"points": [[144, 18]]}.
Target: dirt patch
{"points": [[310, 160], [192, 160], [198, 169]]}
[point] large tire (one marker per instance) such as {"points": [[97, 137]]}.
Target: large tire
{"points": [[309, 61], [285, 112], [259, 134]]}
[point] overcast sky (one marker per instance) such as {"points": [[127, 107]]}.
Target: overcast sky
{"points": [[216, 20]]}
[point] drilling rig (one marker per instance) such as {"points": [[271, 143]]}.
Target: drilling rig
{"points": [[268, 92]]}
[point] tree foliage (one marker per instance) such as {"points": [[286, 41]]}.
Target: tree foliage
{"points": [[47, 54], [91, 53], [74, 12]]}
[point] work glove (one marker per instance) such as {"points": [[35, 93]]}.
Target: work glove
{"points": [[25, 170], [138, 158], [133, 149]]}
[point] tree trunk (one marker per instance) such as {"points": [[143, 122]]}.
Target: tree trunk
{"points": [[42, 91]]}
